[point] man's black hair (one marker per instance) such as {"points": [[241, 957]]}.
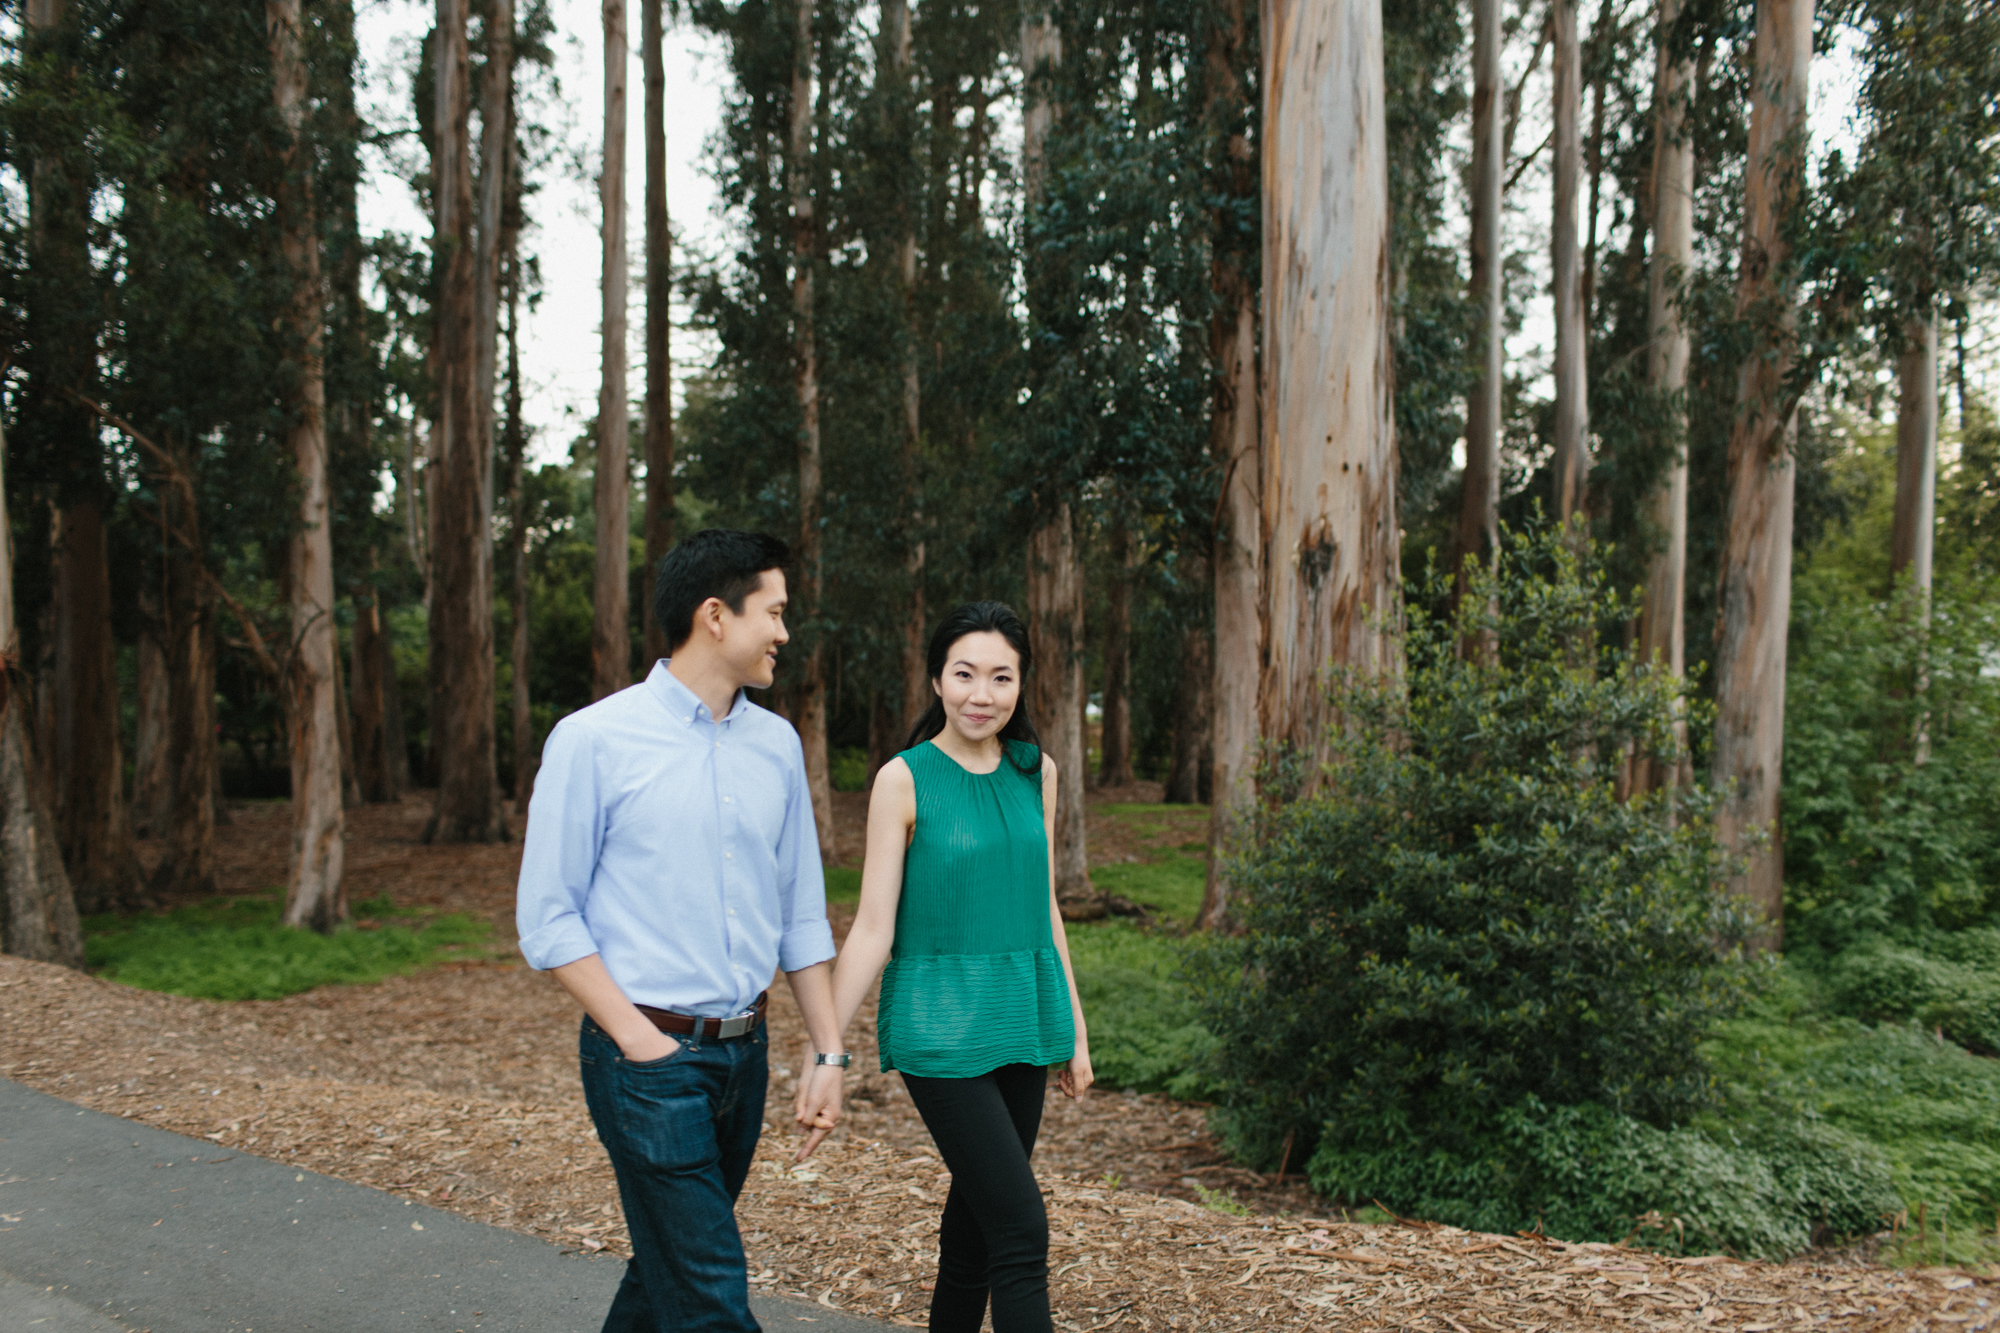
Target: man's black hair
{"points": [[720, 562]]}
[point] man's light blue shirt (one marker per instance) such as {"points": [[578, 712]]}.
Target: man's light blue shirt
{"points": [[678, 846]]}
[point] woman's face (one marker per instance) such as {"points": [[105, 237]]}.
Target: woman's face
{"points": [[980, 686]]}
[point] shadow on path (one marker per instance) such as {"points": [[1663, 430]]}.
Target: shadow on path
{"points": [[110, 1225]]}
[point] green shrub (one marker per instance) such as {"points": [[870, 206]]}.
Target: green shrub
{"points": [[1463, 915], [1144, 1031], [235, 948], [1884, 835], [1882, 982], [849, 769]]}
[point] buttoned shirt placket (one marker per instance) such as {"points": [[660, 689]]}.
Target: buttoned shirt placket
{"points": [[725, 820]]}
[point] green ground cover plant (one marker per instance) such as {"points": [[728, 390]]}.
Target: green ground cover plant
{"points": [[1169, 885], [234, 948], [1145, 1032]]}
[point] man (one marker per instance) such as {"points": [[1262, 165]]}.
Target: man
{"points": [[671, 863]]}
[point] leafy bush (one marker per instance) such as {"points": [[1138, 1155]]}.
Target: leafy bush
{"points": [[1144, 1031], [1952, 985], [1464, 915], [1892, 762], [235, 948], [849, 769], [1588, 1173]]}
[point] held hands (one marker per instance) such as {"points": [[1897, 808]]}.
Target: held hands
{"points": [[1075, 1077], [816, 1108]]}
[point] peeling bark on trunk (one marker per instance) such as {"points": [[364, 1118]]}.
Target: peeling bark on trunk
{"points": [[1190, 771], [314, 894], [367, 693], [1756, 576], [1055, 582], [916, 686], [1479, 508], [659, 441], [89, 769], [1915, 527], [1114, 754], [1571, 464], [527, 758], [461, 586], [1662, 635], [1329, 494], [152, 790], [1234, 429], [37, 910], [610, 639], [811, 699]]}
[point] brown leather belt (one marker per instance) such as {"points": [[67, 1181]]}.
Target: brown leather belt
{"points": [[721, 1029]]}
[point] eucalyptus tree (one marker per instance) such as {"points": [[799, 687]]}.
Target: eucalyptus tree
{"points": [[611, 639], [659, 243], [1571, 466]]}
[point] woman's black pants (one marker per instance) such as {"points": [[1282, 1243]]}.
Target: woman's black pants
{"points": [[995, 1236]]}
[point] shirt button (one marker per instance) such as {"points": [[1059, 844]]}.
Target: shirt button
{"points": [[725, 800], [732, 911], [729, 856]]}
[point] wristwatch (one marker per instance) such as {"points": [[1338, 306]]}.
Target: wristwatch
{"points": [[843, 1060]]}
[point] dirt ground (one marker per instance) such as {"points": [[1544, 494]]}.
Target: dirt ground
{"points": [[458, 1086]]}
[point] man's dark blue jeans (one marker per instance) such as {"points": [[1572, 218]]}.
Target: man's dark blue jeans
{"points": [[681, 1133]]}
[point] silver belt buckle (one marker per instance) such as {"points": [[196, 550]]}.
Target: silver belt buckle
{"points": [[736, 1026]]}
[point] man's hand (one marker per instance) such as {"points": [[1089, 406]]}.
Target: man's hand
{"points": [[817, 1106], [642, 1046]]}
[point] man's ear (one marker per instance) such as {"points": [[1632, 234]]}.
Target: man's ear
{"points": [[709, 617]]}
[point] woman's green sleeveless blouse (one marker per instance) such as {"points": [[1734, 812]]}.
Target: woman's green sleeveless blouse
{"points": [[974, 981]]}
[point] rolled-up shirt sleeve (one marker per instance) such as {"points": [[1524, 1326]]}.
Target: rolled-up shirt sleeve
{"points": [[806, 937], [559, 852]]}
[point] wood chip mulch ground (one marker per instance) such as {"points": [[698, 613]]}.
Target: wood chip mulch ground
{"points": [[457, 1087]]}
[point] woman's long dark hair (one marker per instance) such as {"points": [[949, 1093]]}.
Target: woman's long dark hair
{"points": [[981, 618]]}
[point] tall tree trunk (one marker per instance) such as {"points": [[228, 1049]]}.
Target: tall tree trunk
{"points": [[350, 784], [314, 896], [811, 706], [1189, 771], [1055, 582], [610, 640], [461, 586], [37, 910], [527, 759], [496, 140], [1662, 636], [1571, 464], [187, 864], [1756, 592], [395, 738], [1479, 508], [1234, 428], [91, 816], [152, 786], [368, 702], [916, 688], [1114, 755], [1329, 501], [1914, 529], [659, 427]]}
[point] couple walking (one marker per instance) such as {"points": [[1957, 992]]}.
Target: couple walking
{"points": [[671, 865]]}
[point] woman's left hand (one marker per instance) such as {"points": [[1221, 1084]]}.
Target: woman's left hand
{"points": [[1076, 1078]]}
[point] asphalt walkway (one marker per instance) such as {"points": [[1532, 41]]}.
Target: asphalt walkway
{"points": [[107, 1226]]}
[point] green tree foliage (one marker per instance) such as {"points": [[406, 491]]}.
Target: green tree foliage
{"points": [[1461, 914]]}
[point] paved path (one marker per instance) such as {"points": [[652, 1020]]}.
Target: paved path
{"points": [[107, 1225]]}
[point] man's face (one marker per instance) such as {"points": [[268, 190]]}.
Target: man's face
{"points": [[750, 641]]}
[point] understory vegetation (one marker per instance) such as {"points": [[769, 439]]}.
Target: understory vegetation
{"points": [[235, 948]]}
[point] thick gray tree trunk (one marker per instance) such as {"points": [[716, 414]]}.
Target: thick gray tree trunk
{"points": [[1479, 507], [37, 911], [1756, 575], [1329, 501], [1572, 427], [314, 896], [610, 640], [468, 808], [811, 718], [916, 685], [1234, 426], [1662, 635], [1055, 579], [1914, 531], [659, 427]]}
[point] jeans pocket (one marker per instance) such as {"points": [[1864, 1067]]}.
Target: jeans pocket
{"points": [[642, 1066]]}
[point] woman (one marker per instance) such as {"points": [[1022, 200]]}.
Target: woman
{"points": [[978, 999]]}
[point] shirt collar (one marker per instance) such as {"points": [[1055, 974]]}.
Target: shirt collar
{"points": [[682, 703]]}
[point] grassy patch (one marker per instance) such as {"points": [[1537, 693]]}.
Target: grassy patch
{"points": [[1143, 1030], [1932, 1109], [1170, 886], [235, 948], [843, 885]]}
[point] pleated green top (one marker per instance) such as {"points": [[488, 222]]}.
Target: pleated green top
{"points": [[974, 981]]}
